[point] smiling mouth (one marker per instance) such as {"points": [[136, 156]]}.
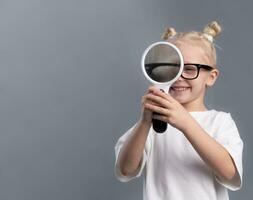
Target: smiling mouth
{"points": [[180, 88]]}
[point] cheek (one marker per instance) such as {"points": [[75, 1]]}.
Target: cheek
{"points": [[198, 85]]}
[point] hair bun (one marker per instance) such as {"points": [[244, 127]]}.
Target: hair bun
{"points": [[168, 33], [212, 29]]}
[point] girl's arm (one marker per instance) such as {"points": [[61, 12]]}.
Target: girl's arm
{"points": [[212, 153], [131, 152]]}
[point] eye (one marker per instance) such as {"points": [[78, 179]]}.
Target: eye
{"points": [[190, 67]]}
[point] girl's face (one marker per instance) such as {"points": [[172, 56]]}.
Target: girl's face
{"points": [[190, 93]]}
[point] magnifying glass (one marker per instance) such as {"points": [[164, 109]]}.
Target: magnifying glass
{"points": [[162, 64]]}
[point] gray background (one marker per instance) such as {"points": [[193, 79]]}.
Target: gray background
{"points": [[71, 84]]}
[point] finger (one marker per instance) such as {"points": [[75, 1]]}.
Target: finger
{"points": [[162, 94], [152, 87], [159, 100], [160, 117], [157, 109], [146, 100], [151, 103], [148, 91]]}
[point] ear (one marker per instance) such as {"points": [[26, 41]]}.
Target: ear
{"points": [[213, 75]]}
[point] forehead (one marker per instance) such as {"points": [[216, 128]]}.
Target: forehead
{"points": [[193, 52]]}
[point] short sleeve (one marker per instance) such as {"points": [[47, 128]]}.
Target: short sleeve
{"points": [[118, 147], [228, 136]]}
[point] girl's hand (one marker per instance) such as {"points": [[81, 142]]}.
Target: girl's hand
{"points": [[146, 114], [169, 109]]}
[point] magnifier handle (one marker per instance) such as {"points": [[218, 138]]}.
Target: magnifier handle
{"points": [[159, 126]]}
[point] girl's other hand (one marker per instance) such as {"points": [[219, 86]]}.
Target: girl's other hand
{"points": [[169, 110], [146, 114]]}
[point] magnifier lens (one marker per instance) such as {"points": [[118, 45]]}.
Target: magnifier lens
{"points": [[162, 72], [162, 63]]}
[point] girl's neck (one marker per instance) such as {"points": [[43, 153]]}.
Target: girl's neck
{"points": [[192, 109], [196, 105]]}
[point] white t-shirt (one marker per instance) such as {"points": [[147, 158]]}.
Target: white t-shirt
{"points": [[174, 170]]}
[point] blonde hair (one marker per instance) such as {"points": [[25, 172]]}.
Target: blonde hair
{"points": [[205, 38]]}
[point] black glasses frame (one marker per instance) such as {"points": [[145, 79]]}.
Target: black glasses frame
{"points": [[150, 66], [199, 66]]}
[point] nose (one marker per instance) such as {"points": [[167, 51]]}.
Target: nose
{"points": [[180, 78]]}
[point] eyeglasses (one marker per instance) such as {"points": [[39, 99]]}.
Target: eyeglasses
{"points": [[190, 71]]}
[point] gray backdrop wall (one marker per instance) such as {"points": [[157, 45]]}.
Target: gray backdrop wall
{"points": [[71, 84]]}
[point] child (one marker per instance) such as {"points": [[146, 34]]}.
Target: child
{"points": [[199, 156]]}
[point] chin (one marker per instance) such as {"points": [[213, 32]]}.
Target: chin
{"points": [[181, 99]]}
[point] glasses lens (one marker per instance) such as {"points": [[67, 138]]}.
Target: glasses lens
{"points": [[190, 71]]}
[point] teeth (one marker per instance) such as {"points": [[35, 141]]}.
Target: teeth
{"points": [[180, 89]]}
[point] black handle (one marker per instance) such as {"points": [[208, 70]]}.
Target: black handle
{"points": [[159, 126]]}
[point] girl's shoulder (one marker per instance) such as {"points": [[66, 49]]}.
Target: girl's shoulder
{"points": [[213, 116], [221, 114], [211, 112]]}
